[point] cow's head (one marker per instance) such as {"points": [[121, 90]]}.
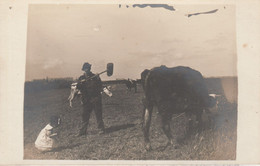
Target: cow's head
{"points": [[212, 101]]}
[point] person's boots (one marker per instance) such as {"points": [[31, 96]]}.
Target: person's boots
{"points": [[101, 131], [101, 128], [83, 130]]}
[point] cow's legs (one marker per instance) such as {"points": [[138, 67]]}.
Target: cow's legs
{"points": [[190, 127], [147, 116], [199, 119], [190, 123], [166, 125], [165, 110]]}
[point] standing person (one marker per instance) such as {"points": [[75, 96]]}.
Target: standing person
{"points": [[91, 88]]}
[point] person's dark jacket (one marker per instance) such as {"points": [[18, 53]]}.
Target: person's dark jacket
{"points": [[91, 88]]}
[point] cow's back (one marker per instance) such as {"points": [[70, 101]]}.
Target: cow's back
{"points": [[162, 83]]}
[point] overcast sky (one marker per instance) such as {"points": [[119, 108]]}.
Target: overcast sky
{"points": [[62, 37]]}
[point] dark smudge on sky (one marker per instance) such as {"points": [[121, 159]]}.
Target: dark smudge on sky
{"points": [[209, 12], [165, 6]]}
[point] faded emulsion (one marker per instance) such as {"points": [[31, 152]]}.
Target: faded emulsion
{"points": [[163, 86]]}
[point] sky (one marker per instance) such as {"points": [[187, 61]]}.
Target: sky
{"points": [[61, 38]]}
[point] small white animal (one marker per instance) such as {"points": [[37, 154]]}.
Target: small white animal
{"points": [[73, 92], [107, 91]]}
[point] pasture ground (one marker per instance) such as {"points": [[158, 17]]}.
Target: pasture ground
{"points": [[123, 139]]}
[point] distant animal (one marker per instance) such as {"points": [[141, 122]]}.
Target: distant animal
{"points": [[131, 84], [174, 90], [75, 92]]}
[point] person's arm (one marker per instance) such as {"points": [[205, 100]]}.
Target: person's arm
{"points": [[79, 83], [49, 133], [53, 135]]}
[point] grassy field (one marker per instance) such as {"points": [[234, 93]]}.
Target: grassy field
{"points": [[123, 139]]}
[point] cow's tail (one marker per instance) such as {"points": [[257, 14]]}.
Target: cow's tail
{"points": [[145, 76], [147, 88]]}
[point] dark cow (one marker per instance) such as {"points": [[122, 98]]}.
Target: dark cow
{"points": [[131, 84], [173, 90]]}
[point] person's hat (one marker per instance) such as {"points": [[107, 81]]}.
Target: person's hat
{"points": [[85, 66]]}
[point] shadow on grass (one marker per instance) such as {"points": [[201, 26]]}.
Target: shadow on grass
{"points": [[119, 127], [162, 148], [60, 148]]}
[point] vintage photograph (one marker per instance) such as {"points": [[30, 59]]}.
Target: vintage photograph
{"points": [[130, 82]]}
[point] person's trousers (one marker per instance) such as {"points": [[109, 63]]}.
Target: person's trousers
{"points": [[88, 106]]}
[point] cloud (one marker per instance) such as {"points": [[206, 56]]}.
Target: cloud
{"points": [[96, 28], [217, 40], [167, 54], [171, 41], [52, 63]]}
